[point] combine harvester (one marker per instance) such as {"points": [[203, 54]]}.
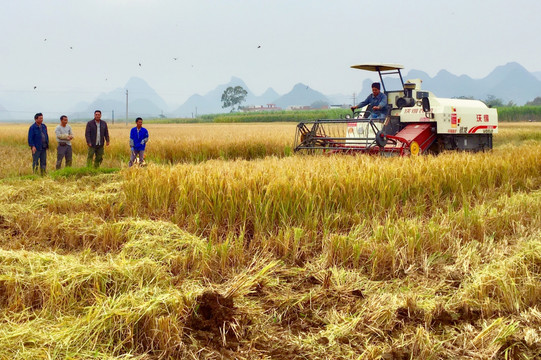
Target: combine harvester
{"points": [[417, 122]]}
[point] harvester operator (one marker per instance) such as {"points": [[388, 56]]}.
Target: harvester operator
{"points": [[377, 101]]}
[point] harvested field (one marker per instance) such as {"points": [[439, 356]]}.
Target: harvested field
{"points": [[227, 246]]}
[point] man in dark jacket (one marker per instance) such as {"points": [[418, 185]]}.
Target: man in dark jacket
{"points": [[96, 134], [38, 140]]}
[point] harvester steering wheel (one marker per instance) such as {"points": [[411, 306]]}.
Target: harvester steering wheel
{"points": [[357, 112], [368, 111]]}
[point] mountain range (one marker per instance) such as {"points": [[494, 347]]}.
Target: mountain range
{"points": [[510, 82]]}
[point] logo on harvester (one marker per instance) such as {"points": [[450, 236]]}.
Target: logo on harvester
{"points": [[351, 130], [453, 120]]}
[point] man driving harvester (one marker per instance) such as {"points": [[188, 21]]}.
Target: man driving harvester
{"points": [[377, 101]]}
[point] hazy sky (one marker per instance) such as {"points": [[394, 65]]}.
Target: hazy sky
{"points": [[90, 46]]}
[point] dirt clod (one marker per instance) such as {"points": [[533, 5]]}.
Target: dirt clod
{"points": [[213, 314], [323, 341], [395, 355], [212, 311], [414, 315]]}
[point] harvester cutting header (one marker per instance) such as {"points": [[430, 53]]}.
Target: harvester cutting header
{"points": [[413, 122]]}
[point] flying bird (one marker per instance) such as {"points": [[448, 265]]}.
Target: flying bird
{"points": [[259, 47], [35, 87], [139, 64], [44, 39], [175, 58], [71, 47]]}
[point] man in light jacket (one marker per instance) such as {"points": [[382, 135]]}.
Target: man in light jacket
{"points": [[64, 135]]}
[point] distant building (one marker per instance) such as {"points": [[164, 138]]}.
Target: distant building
{"points": [[299, 107], [337, 106], [254, 108]]}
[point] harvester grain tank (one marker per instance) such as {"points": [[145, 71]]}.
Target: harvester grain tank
{"points": [[416, 122]]}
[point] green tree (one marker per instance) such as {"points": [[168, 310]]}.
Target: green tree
{"points": [[493, 101], [534, 102], [319, 104], [233, 96]]}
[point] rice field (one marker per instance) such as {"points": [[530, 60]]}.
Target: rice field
{"points": [[227, 246], [170, 143]]}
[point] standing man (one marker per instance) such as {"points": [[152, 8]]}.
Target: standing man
{"points": [[38, 140], [138, 140], [377, 101], [96, 134], [64, 135]]}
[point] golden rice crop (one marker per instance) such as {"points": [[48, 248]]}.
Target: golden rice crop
{"points": [[174, 143], [327, 192], [170, 143]]}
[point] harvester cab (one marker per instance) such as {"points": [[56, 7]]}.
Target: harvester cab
{"points": [[416, 122]]}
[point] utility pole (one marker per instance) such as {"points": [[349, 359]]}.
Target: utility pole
{"points": [[354, 102], [126, 107], [113, 117]]}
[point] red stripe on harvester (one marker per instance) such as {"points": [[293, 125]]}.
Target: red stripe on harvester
{"points": [[475, 128]]}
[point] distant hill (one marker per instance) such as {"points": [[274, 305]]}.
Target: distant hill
{"points": [[300, 95], [512, 82], [142, 100], [268, 97]]}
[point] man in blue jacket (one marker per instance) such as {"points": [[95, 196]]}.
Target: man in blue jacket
{"points": [[138, 141], [377, 101], [38, 140]]}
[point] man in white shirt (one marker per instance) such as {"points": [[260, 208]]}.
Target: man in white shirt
{"points": [[64, 135]]}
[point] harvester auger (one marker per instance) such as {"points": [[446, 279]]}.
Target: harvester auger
{"points": [[416, 122]]}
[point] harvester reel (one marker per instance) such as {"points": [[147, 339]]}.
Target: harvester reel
{"points": [[311, 138]]}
